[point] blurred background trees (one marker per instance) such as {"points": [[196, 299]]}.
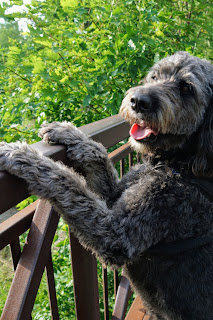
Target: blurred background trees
{"points": [[74, 60]]}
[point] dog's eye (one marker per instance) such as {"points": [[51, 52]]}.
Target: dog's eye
{"points": [[154, 78], [184, 87]]}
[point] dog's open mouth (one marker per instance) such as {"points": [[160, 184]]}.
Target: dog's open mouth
{"points": [[142, 132]]}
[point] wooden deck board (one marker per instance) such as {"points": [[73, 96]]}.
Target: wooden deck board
{"points": [[138, 311]]}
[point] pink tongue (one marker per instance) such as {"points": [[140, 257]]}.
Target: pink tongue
{"points": [[138, 132]]}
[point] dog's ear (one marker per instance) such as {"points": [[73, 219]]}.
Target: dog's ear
{"points": [[202, 165]]}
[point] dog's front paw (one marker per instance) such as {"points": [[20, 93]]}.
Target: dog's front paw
{"points": [[60, 132], [49, 132]]}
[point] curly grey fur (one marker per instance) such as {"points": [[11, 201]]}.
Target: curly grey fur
{"points": [[180, 91], [121, 220]]}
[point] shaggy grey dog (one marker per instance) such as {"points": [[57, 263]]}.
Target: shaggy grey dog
{"points": [[157, 222]]}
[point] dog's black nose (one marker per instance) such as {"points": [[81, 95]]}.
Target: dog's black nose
{"points": [[140, 102]]}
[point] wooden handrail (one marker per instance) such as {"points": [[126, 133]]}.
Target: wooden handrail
{"points": [[108, 131]]}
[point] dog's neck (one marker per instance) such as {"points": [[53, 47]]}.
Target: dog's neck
{"points": [[177, 160], [180, 159]]}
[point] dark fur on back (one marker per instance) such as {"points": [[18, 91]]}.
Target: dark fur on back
{"points": [[155, 203]]}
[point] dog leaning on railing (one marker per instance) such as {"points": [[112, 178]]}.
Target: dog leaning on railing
{"points": [[157, 221]]}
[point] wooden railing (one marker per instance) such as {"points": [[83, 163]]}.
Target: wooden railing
{"points": [[42, 220]]}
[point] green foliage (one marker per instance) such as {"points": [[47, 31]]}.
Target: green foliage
{"points": [[6, 275], [26, 202], [9, 33], [79, 57]]}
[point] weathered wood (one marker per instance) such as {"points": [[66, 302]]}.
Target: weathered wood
{"points": [[105, 293], [138, 311], [16, 225], [85, 281], [31, 265], [51, 289], [15, 251], [121, 302], [120, 153]]}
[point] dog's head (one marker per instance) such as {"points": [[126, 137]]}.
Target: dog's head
{"points": [[172, 105]]}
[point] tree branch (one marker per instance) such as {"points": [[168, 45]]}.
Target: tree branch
{"points": [[17, 74]]}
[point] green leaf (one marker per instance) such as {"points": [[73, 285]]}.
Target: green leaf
{"points": [[48, 92], [87, 100]]}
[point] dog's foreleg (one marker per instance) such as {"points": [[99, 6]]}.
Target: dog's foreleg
{"points": [[91, 157], [109, 233]]}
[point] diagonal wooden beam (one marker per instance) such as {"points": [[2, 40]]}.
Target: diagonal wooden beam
{"points": [[31, 265]]}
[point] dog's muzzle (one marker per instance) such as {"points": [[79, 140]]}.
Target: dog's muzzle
{"points": [[140, 102]]}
